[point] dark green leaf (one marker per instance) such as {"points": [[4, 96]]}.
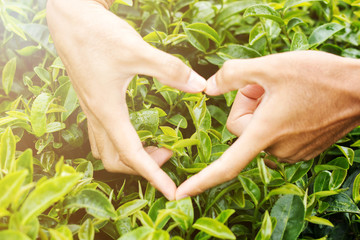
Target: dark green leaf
{"points": [[323, 32], [289, 212]]}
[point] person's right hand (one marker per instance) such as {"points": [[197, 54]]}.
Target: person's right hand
{"points": [[292, 105], [102, 53]]}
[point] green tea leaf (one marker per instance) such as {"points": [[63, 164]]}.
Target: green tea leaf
{"points": [[341, 203], [8, 75], [323, 32], [204, 147], [251, 188], [68, 99], [178, 120], [196, 39], [299, 42], [25, 161], [348, 153], [233, 8], [213, 228], [130, 208], [298, 170], [38, 113], [46, 194], [356, 189], [322, 181], [205, 30], [289, 212], [263, 11], [185, 206], [146, 119], [286, 189], [185, 143], [87, 230], [337, 178], [13, 235], [94, 201], [139, 233], [43, 75], [7, 151], [292, 3], [10, 186], [266, 228], [319, 220]]}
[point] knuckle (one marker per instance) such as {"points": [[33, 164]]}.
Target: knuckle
{"points": [[175, 70], [232, 126]]}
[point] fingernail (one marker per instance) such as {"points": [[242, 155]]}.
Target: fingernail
{"points": [[211, 88], [196, 82]]}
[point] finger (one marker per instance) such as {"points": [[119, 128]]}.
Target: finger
{"points": [[246, 102], [228, 166], [160, 155], [93, 146], [131, 152], [171, 71], [236, 74]]}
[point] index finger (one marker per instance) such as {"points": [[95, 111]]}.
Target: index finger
{"points": [[229, 165], [116, 122]]}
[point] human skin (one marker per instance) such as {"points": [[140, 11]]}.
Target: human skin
{"points": [[102, 53], [293, 105]]}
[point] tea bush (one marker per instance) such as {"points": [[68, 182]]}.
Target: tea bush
{"points": [[52, 188]]}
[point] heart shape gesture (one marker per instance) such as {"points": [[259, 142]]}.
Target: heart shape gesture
{"points": [[293, 105]]}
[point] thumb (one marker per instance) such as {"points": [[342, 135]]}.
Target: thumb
{"points": [[238, 73], [173, 72], [253, 140]]}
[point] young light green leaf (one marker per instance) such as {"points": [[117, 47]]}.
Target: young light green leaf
{"points": [[130, 208], [263, 170], [185, 206], [87, 230], [13, 235], [289, 212], [319, 220], [43, 74], [7, 151], [286, 189], [8, 75], [38, 113], [264, 11], [185, 143], [25, 161], [68, 99], [356, 189], [94, 201], [348, 153], [266, 228], [251, 188], [139, 233], [233, 8], [323, 32], [293, 3], [204, 147], [213, 228], [10, 186], [45, 194]]}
